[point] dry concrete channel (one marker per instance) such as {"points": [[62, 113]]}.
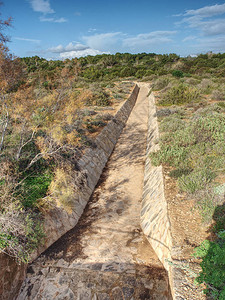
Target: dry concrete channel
{"points": [[106, 256]]}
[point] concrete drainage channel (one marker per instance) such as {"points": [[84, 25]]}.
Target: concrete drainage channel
{"points": [[107, 255]]}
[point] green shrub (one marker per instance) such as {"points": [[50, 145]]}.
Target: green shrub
{"points": [[33, 188], [179, 95], [213, 266], [196, 180], [196, 146], [127, 72], [160, 83], [221, 104], [92, 124], [206, 202], [164, 112], [179, 172], [177, 73], [172, 123], [100, 98], [140, 73]]}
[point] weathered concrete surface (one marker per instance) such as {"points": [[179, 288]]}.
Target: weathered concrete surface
{"points": [[106, 256], [154, 214], [59, 221], [11, 277]]}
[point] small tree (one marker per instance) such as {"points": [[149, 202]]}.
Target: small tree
{"points": [[3, 25]]}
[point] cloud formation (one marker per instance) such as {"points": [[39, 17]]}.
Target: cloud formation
{"points": [[149, 39], [68, 48], [206, 19], [207, 11], [42, 6], [53, 20], [205, 27], [74, 50], [103, 41], [27, 40], [80, 53]]}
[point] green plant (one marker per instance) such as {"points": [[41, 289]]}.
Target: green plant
{"points": [[160, 83], [213, 266], [179, 172], [221, 104], [177, 73], [179, 95], [205, 86], [101, 99], [172, 123], [34, 187], [196, 180], [21, 232], [195, 148]]}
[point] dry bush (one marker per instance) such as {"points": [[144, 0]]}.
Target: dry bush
{"points": [[218, 95], [20, 232], [205, 86], [65, 187]]}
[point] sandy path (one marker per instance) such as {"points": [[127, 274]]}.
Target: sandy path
{"points": [[106, 256]]}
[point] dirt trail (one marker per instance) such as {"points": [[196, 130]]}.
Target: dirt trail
{"points": [[106, 255]]}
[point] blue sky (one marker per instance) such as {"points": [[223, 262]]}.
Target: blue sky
{"points": [[59, 29]]}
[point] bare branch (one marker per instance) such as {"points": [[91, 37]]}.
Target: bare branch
{"points": [[40, 155], [4, 127], [22, 144]]}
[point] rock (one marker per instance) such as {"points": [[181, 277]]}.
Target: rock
{"points": [[103, 296], [128, 292], [117, 293]]}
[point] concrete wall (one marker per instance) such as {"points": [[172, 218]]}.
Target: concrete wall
{"points": [[11, 277], [154, 215], [155, 218], [58, 221]]}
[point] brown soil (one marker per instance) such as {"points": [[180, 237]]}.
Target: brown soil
{"points": [[188, 231]]}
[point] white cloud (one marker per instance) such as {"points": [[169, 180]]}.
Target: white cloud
{"points": [[27, 40], [149, 39], [60, 20], [92, 30], [80, 53], [207, 11], [70, 47], [42, 6], [57, 49], [213, 27], [53, 20], [74, 50], [206, 19], [215, 44], [103, 41], [112, 41], [76, 47], [189, 38]]}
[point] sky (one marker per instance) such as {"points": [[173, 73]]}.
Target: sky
{"points": [[60, 29]]}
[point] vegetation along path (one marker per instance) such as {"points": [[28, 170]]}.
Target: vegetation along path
{"points": [[106, 255]]}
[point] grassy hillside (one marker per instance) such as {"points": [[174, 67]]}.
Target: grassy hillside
{"points": [[191, 111]]}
